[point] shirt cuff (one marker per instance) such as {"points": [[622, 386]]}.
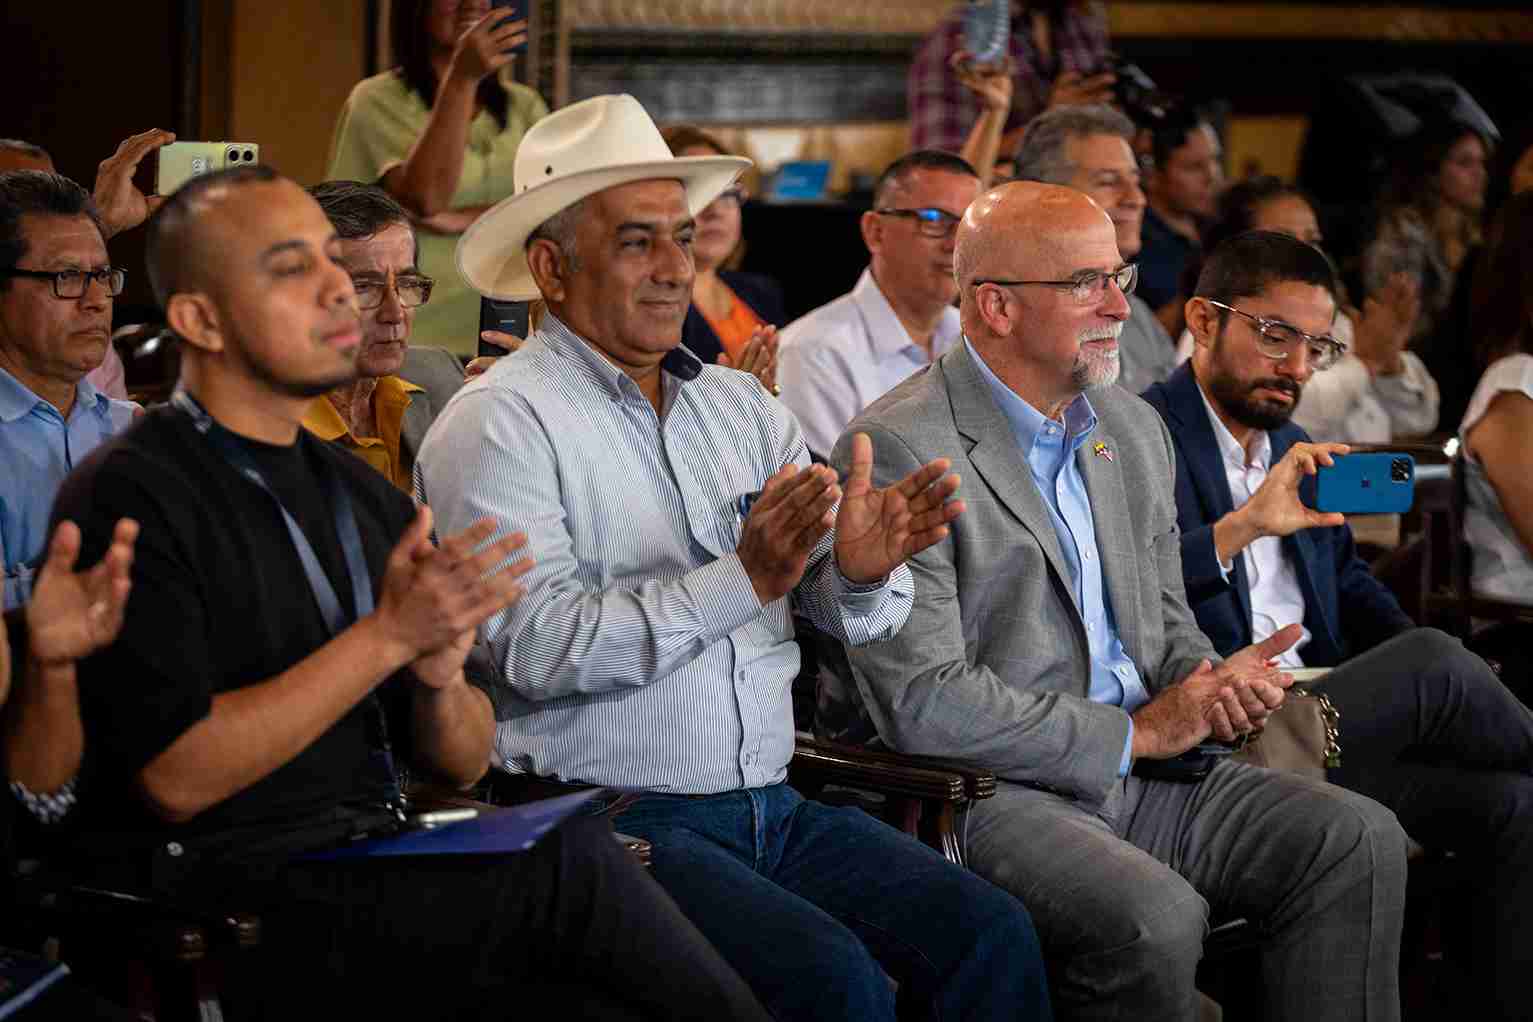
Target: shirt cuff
{"points": [[47, 808], [1128, 751], [724, 595]]}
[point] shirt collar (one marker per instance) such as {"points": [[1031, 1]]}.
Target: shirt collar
{"points": [[17, 400], [1234, 455], [1027, 422], [324, 420], [887, 336], [679, 361]]}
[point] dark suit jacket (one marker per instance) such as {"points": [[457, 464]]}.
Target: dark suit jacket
{"points": [[1346, 609], [760, 292]]}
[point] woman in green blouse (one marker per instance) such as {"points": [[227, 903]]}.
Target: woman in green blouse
{"points": [[440, 133]]}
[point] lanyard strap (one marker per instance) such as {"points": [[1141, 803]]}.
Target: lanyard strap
{"points": [[324, 592]]}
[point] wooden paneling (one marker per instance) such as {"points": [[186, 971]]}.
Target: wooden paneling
{"points": [[291, 65]]}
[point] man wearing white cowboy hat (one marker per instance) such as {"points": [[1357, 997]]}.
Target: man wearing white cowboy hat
{"points": [[671, 509]]}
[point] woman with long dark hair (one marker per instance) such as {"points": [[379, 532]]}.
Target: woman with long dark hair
{"points": [[440, 132]]}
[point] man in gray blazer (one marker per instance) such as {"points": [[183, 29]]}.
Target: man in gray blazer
{"points": [[1051, 642], [382, 415]]}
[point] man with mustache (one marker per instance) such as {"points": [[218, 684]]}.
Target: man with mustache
{"points": [[1051, 643], [674, 515], [835, 361], [56, 291], [383, 413], [1426, 727]]}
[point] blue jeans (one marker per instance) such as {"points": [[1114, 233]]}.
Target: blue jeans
{"points": [[815, 904]]}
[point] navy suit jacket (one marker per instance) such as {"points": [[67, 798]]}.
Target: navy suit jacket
{"points": [[1346, 609], [760, 292]]}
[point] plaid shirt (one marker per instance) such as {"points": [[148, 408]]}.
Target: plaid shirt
{"points": [[942, 111]]}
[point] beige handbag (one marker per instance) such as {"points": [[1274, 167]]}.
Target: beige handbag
{"points": [[1303, 736]]}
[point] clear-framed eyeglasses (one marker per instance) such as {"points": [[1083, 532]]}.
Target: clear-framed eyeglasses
{"points": [[1277, 340], [1084, 288], [411, 289], [71, 284]]}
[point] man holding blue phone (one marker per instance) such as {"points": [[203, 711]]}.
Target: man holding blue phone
{"points": [[1426, 727]]}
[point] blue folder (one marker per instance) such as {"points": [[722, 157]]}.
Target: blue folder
{"points": [[492, 832]]}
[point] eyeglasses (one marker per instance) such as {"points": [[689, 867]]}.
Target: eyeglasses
{"points": [[932, 223], [1085, 288], [1277, 340], [411, 290], [71, 284]]}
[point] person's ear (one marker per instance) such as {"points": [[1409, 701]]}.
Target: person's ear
{"points": [[546, 261], [195, 319], [996, 309], [872, 226], [1202, 322]]}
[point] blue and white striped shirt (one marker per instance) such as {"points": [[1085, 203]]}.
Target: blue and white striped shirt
{"points": [[640, 655]]}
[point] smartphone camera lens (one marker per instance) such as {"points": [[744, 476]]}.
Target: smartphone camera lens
{"points": [[1400, 470], [231, 156]]}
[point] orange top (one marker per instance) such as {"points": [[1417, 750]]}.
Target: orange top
{"points": [[735, 329]]}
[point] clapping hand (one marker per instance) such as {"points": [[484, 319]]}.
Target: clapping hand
{"points": [[74, 613], [877, 530], [1383, 327], [759, 358]]}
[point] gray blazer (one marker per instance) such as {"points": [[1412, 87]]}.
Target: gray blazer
{"points": [[993, 667], [441, 374]]}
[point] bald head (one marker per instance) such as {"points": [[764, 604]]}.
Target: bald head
{"points": [[1023, 230], [182, 242]]}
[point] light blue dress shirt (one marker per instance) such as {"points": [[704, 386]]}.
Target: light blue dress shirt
{"points": [[639, 656], [37, 450], [1051, 448]]}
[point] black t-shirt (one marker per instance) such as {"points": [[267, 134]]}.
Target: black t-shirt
{"points": [[220, 601]]}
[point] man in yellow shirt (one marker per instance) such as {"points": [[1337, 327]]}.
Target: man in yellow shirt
{"points": [[384, 413]]}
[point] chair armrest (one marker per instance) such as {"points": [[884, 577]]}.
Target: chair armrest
{"points": [[926, 777]]}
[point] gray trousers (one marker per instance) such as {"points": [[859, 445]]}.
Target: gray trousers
{"points": [[1122, 896], [1428, 730]]}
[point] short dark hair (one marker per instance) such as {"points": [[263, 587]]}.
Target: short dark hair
{"points": [[1171, 132], [32, 149], [1501, 302], [1249, 263], [358, 210], [919, 159], [172, 244], [41, 193]]}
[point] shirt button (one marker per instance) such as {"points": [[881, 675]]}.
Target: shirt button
{"points": [[741, 675], [1088, 555]]}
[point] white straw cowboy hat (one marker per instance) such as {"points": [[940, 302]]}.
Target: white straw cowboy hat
{"points": [[572, 153]]}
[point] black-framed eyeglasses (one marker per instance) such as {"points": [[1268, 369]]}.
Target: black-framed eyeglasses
{"points": [[1277, 340], [412, 290], [1084, 288], [71, 284], [933, 223]]}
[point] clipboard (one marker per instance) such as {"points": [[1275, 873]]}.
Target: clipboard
{"points": [[502, 831]]}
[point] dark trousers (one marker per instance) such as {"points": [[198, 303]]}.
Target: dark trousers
{"points": [[573, 928], [819, 906], [1428, 730]]}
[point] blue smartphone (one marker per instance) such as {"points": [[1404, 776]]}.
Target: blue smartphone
{"points": [[516, 10], [1365, 483]]}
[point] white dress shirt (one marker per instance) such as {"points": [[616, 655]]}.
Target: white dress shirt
{"points": [[639, 656], [835, 361], [1276, 599]]}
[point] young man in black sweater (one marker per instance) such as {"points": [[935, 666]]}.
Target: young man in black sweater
{"points": [[295, 643]]}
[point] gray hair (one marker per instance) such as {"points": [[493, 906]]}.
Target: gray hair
{"points": [[1042, 155], [25, 148], [560, 229]]}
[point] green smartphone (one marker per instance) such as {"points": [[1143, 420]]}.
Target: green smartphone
{"points": [[182, 161]]}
